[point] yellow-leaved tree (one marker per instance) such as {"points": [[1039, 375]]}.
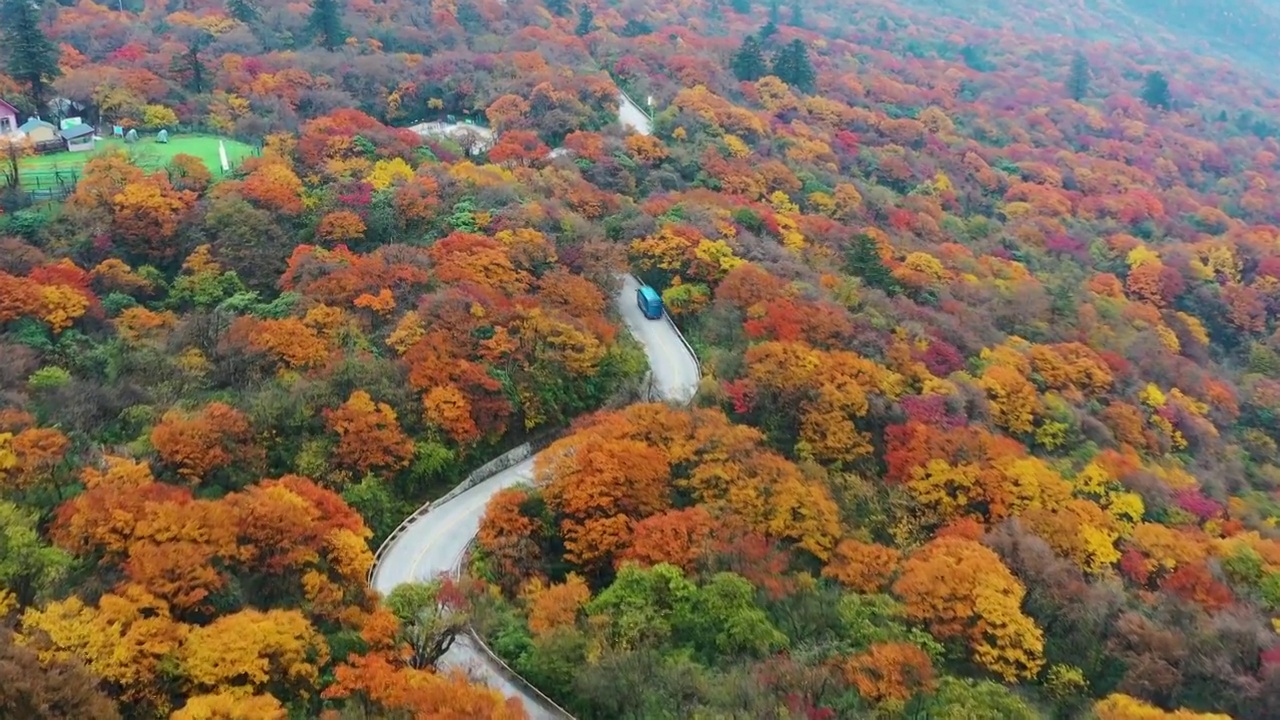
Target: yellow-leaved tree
{"points": [[961, 589], [250, 649]]}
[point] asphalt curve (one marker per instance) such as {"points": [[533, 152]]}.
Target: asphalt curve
{"points": [[435, 542]]}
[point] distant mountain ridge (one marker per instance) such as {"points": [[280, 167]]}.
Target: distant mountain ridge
{"points": [[1246, 31]]}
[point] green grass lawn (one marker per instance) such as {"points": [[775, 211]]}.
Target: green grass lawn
{"points": [[146, 153]]}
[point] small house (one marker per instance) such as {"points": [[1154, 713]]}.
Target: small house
{"points": [[78, 138], [38, 131], [8, 118]]}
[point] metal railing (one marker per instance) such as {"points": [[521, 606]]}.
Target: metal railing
{"points": [[497, 664], [643, 108]]}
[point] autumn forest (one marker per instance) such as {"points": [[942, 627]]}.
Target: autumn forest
{"points": [[987, 317]]}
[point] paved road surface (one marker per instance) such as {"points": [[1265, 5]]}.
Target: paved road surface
{"points": [[436, 541], [631, 116]]}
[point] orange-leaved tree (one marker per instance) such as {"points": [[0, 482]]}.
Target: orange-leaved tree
{"points": [[145, 217], [961, 589], [383, 682], [369, 436], [890, 671], [678, 537], [556, 605], [600, 487], [196, 444], [862, 567], [510, 539]]}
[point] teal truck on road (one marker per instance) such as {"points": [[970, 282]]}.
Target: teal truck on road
{"points": [[650, 302]]}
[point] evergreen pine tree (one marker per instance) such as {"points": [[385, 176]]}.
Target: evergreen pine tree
{"points": [[189, 66], [585, 20], [742, 7], [769, 30], [559, 8], [774, 17], [636, 28], [797, 14], [863, 260], [1155, 91], [326, 23], [469, 17], [1078, 78], [748, 62], [30, 58], [243, 10], [792, 66]]}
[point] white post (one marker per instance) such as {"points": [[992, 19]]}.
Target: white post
{"points": [[222, 156]]}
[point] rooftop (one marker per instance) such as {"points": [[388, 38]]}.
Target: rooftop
{"points": [[76, 131], [33, 123]]}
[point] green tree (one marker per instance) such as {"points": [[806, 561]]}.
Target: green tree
{"points": [[723, 620], [775, 15], [554, 660], [188, 64], [742, 7], [869, 619], [243, 10], [325, 23], [864, 261], [559, 8], [586, 18], [1078, 77], [966, 699], [469, 18], [660, 607], [636, 28], [373, 499], [797, 14], [28, 567], [631, 684], [748, 62], [640, 604], [793, 67], [30, 57], [247, 240], [1155, 91], [430, 619]]}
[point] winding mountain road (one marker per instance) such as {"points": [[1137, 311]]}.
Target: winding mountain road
{"points": [[435, 542], [632, 117]]}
